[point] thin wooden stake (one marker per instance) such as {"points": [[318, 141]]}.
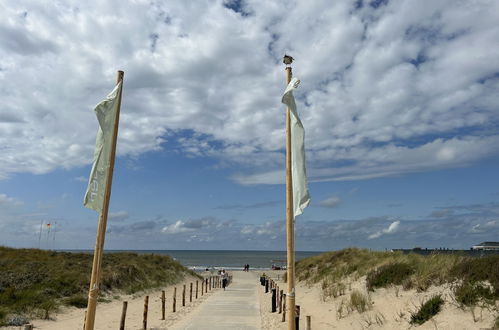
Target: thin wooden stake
{"points": [[183, 296], [190, 294], [196, 289], [284, 308], [123, 315], [146, 308], [163, 304], [174, 299]]}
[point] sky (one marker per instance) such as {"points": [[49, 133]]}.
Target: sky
{"points": [[399, 100]]}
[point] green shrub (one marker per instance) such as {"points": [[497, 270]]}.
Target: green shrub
{"points": [[427, 310], [468, 293], [34, 282], [385, 275], [78, 301]]}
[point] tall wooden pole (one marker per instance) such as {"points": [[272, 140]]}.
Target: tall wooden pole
{"points": [[290, 231], [101, 230]]}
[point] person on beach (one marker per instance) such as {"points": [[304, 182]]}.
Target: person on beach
{"points": [[225, 277]]}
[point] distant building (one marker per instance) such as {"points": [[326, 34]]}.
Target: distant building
{"points": [[486, 246]]}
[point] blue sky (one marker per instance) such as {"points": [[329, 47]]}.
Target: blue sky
{"points": [[399, 100]]}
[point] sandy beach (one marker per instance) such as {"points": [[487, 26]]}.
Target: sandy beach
{"points": [[389, 309]]}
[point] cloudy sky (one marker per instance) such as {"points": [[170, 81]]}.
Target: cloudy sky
{"points": [[399, 99]]}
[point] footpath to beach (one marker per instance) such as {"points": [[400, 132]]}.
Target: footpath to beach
{"points": [[236, 308]]}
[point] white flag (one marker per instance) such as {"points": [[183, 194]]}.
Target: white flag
{"points": [[301, 197], [106, 114]]}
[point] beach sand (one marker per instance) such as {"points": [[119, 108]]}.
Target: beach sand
{"points": [[109, 314], [390, 309]]}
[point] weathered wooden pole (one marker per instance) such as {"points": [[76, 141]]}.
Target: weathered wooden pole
{"points": [[123, 315], [93, 291], [174, 299], [283, 307], [196, 289], [297, 317], [309, 322], [274, 302], [183, 297], [280, 301], [190, 294], [290, 231], [202, 287], [163, 304], [146, 308]]}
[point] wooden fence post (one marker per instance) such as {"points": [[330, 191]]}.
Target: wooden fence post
{"points": [[284, 308], [280, 301], [297, 317], [123, 315], [202, 287], [309, 322], [174, 299], [274, 302], [163, 303], [146, 307], [196, 289], [190, 294], [183, 297]]}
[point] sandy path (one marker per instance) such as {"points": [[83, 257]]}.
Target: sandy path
{"points": [[236, 308]]}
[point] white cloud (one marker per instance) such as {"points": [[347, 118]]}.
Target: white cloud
{"points": [[394, 226], [118, 216], [330, 202], [9, 201], [407, 87], [177, 227]]}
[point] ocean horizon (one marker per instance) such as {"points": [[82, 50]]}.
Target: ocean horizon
{"points": [[217, 259]]}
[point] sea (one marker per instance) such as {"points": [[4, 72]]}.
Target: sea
{"points": [[200, 260]]}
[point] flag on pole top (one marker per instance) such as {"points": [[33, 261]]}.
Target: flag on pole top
{"points": [[106, 114], [301, 197]]}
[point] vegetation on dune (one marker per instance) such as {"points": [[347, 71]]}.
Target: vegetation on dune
{"points": [[427, 310], [394, 273], [475, 279], [34, 283]]}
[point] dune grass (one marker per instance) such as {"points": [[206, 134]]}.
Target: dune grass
{"points": [[427, 310], [34, 283], [476, 278]]}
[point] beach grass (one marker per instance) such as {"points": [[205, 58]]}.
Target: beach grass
{"points": [[34, 283], [427, 310], [476, 279]]}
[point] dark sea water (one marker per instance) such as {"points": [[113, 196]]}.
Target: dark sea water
{"points": [[230, 260]]}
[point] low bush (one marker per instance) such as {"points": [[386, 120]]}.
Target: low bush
{"points": [[78, 301], [427, 310], [469, 293], [35, 282], [394, 273]]}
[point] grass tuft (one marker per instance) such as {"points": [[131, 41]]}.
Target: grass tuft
{"points": [[427, 310], [394, 273], [359, 301]]}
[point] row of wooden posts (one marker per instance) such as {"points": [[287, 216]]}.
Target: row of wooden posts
{"points": [[206, 285], [278, 301]]}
